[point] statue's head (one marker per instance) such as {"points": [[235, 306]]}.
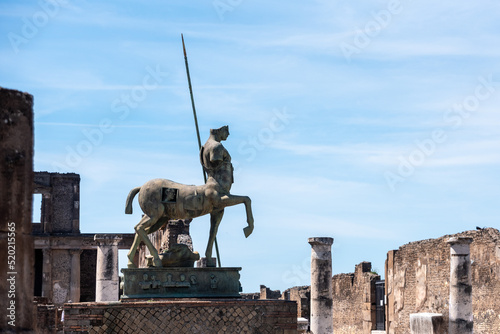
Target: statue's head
{"points": [[221, 133]]}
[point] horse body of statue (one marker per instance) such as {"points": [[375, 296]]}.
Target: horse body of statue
{"points": [[162, 200]]}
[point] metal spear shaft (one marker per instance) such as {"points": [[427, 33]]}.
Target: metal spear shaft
{"points": [[197, 128]]}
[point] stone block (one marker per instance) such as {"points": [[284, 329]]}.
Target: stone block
{"points": [[427, 323], [302, 325], [206, 262]]}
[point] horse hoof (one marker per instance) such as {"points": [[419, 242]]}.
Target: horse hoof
{"points": [[247, 230], [131, 265]]}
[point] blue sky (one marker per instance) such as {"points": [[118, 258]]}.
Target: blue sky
{"points": [[374, 122]]}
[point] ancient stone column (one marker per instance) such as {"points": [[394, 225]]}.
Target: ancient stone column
{"points": [[47, 274], [321, 286], [74, 283], [16, 196], [107, 281], [460, 310]]}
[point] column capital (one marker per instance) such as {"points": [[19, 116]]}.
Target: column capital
{"points": [[75, 251], [108, 239], [459, 240], [323, 241]]}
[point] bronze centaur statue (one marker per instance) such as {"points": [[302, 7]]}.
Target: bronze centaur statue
{"points": [[162, 200]]}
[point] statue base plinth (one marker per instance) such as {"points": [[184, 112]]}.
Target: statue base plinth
{"points": [[206, 262], [179, 282]]}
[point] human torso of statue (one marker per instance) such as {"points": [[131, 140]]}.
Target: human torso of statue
{"points": [[216, 162]]}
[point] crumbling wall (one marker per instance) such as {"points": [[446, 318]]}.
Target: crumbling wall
{"points": [[266, 293], [60, 210], [354, 300], [418, 275], [354, 304], [173, 232], [48, 317], [16, 188], [302, 296], [182, 317]]}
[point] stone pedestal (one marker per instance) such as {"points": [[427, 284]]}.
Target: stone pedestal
{"points": [[321, 286], [427, 323], [182, 282], [460, 309], [107, 282]]}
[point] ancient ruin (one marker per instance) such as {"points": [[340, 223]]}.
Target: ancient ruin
{"points": [[416, 286], [65, 259], [321, 318], [16, 184], [449, 284]]}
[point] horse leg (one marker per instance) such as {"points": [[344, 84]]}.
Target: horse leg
{"points": [[140, 229], [230, 200], [132, 251], [215, 218]]}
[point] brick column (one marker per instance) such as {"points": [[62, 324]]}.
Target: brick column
{"points": [[74, 283], [460, 310], [16, 196], [321, 286], [107, 285]]}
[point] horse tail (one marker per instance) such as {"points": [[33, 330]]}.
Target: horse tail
{"points": [[130, 198]]}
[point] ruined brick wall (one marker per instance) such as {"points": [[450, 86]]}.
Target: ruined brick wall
{"points": [[418, 275], [354, 300], [173, 232], [252, 296], [201, 316], [48, 319], [16, 189], [60, 210], [302, 296], [266, 293]]}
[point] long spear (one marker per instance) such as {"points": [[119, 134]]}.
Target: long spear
{"points": [[197, 129]]}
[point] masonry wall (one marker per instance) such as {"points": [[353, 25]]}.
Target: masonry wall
{"points": [[48, 319], [173, 232], [302, 296], [16, 188], [418, 275], [60, 209], [354, 301], [266, 293], [354, 304], [183, 316]]}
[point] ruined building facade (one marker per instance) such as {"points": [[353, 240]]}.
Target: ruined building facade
{"points": [[65, 259], [417, 281]]}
